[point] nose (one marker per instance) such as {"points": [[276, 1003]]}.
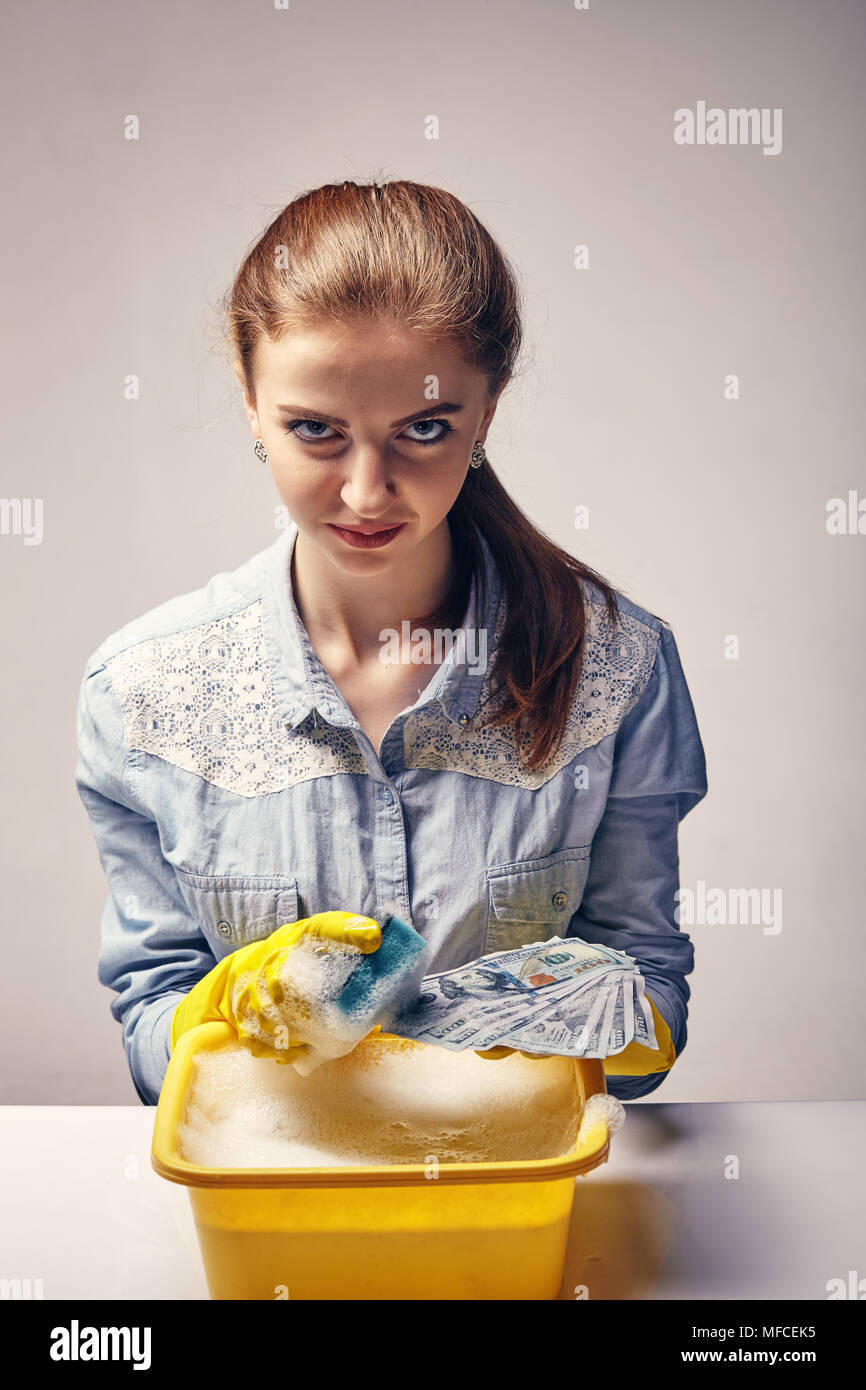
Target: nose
{"points": [[368, 489]]}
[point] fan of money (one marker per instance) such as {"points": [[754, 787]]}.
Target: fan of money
{"points": [[575, 998]]}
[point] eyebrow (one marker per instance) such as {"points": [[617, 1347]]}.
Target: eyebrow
{"points": [[441, 408]]}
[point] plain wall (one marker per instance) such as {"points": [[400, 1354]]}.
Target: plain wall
{"points": [[556, 127]]}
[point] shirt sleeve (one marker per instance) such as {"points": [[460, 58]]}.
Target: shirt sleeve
{"points": [[658, 775], [151, 950]]}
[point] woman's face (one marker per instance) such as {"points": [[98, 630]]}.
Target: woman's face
{"points": [[367, 426]]}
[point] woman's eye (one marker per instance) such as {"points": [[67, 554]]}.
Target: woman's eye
{"points": [[294, 428], [443, 427]]}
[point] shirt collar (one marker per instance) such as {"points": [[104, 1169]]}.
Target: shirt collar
{"points": [[301, 683]]}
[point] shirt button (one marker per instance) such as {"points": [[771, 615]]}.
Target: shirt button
{"points": [[224, 928], [464, 719], [387, 796], [560, 899]]}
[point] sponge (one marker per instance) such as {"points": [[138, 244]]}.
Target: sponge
{"points": [[344, 993], [374, 982]]}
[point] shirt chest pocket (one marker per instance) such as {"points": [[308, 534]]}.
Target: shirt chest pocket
{"points": [[233, 910], [534, 899]]}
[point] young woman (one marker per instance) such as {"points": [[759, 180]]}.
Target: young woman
{"points": [[413, 701]]}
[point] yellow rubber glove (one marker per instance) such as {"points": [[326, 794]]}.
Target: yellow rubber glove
{"points": [[634, 1060], [248, 982]]}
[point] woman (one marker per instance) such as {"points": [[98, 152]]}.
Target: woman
{"points": [[252, 753]]}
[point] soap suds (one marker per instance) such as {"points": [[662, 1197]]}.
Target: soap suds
{"points": [[392, 1101], [305, 1009], [602, 1106]]}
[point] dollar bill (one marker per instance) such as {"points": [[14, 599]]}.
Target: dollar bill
{"points": [[644, 1027], [563, 995], [567, 1028]]}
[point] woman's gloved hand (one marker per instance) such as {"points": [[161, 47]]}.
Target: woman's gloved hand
{"points": [[634, 1060], [247, 988]]}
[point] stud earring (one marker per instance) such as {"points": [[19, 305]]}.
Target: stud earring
{"points": [[260, 451], [478, 456]]}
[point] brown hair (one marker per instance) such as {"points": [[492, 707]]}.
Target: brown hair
{"points": [[416, 255]]}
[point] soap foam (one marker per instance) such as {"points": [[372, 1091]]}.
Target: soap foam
{"points": [[314, 975], [390, 1101]]}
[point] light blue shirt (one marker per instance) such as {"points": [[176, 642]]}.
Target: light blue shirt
{"points": [[230, 789]]}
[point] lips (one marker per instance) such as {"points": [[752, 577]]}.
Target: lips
{"points": [[367, 530], [367, 538]]}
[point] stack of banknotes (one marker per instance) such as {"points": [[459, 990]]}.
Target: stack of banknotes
{"points": [[564, 996]]}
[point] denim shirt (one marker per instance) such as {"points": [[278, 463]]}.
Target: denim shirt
{"points": [[230, 789]]}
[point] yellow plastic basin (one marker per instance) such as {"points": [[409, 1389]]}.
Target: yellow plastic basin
{"points": [[394, 1231]]}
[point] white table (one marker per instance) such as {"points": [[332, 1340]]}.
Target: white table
{"points": [[82, 1210]]}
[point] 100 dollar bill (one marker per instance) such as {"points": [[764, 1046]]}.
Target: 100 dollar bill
{"points": [[567, 996]]}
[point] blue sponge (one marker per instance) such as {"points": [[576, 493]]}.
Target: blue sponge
{"points": [[377, 978]]}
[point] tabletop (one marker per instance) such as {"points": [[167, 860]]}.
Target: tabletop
{"points": [[714, 1200]]}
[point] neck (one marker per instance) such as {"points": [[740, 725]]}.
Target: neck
{"points": [[348, 612]]}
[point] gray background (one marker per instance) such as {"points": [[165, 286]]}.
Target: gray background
{"points": [[556, 128]]}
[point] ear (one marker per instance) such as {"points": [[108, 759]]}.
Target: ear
{"points": [[489, 412], [249, 406]]}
